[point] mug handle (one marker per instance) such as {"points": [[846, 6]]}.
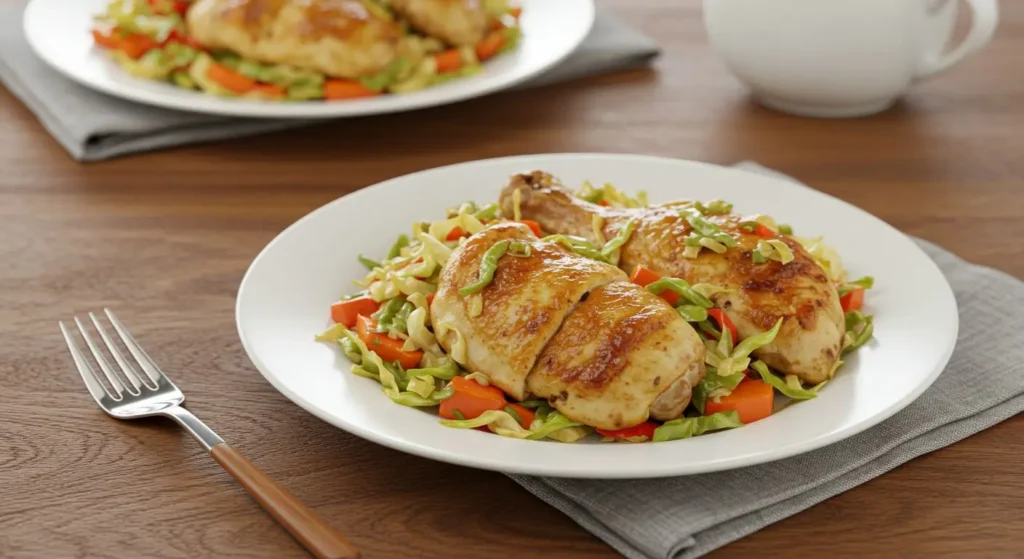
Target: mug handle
{"points": [[984, 17]]}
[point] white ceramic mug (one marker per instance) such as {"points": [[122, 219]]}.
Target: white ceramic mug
{"points": [[840, 58]]}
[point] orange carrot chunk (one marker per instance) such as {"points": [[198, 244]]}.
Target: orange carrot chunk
{"points": [[853, 300], [491, 44], [645, 429], [644, 277], [389, 349], [723, 322], [336, 90], [230, 79], [455, 234], [346, 312], [533, 225], [448, 61], [751, 399], [471, 399]]}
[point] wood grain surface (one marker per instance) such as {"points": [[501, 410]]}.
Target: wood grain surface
{"points": [[164, 239]]}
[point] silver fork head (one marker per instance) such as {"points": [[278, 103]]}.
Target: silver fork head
{"points": [[130, 394]]}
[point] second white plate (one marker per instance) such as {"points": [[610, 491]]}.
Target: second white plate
{"points": [[59, 32], [284, 299]]}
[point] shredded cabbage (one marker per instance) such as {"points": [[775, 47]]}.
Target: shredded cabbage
{"points": [[611, 196], [726, 364], [555, 426], [460, 350], [825, 256], [686, 427], [790, 387], [772, 249]]}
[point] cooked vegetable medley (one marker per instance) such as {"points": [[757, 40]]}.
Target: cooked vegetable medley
{"points": [[304, 50], [429, 360]]}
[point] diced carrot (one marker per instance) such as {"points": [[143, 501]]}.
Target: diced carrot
{"points": [[178, 37], [723, 322], [751, 399], [269, 90], [603, 203], [455, 234], [853, 300], [336, 90], [389, 349], [763, 231], [448, 61], [430, 299], [644, 277], [491, 44], [533, 225], [471, 399], [346, 312], [109, 40], [526, 415], [181, 7], [645, 429], [230, 79], [136, 45]]}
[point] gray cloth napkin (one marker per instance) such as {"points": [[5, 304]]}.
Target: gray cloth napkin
{"points": [[92, 126], [689, 516]]}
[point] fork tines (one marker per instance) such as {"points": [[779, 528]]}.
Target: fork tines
{"points": [[130, 379]]}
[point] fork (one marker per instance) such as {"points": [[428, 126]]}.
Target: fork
{"points": [[154, 394]]}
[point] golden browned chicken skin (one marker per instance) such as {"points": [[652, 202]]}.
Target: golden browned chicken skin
{"points": [[520, 310], [341, 38], [621, 356], [456, 22], [810, 341], [610, 353]]}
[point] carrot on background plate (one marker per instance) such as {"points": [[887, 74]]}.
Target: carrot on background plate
{"points": [[471, 399], [270, 91], [448, 61], [388, 348], [751, 399], [136, 45], [346, 312], [110, 40], [336, 90], [230, 79], [491, 44]]}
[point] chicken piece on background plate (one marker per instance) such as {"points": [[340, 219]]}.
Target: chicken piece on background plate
{"points": [[755, 295], [456, 22], [519, 311], [341, 38], [621, 356]]}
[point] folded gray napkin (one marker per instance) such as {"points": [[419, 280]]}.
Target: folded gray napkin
{"points": [[689, 516], [92, 126]]}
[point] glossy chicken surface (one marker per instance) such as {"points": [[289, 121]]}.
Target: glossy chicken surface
{"points": [[620, 356], [556, 325], [810, 340], [521, 308], [341, 38], [456, 22]]}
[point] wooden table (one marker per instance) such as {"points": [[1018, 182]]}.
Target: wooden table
{"points": [[165, 238]]}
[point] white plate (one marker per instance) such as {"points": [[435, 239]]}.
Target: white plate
{"points": [[283, 301], [59, 32]]}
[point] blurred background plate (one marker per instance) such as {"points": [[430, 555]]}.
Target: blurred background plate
{"points": [[59, 32]]}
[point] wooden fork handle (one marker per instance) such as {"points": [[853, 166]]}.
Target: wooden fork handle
{"points": [[301, 522]]}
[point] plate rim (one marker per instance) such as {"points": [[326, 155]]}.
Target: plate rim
{"points": [[301, 110], [476, 462]]}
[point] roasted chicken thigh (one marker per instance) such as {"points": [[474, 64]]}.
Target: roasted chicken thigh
{"points": [[556, 325], [755, 295]]}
